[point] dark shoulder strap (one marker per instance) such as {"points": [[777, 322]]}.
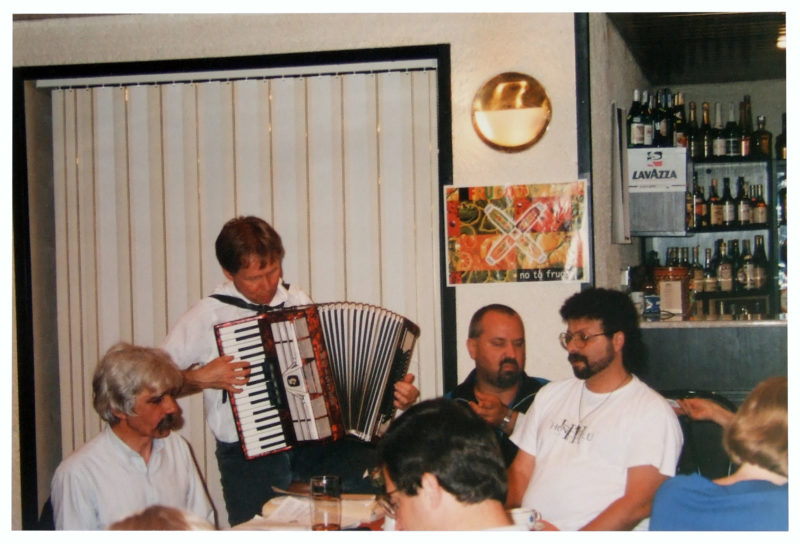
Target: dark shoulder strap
{"points": [[239, 303]]}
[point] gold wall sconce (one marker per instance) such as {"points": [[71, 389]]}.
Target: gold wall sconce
{"points": [[511, 112]]}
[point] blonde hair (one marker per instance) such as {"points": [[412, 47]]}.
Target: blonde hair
{"points": [[759, 433], [162, 518]]}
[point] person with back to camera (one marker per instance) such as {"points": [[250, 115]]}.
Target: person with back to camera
{"points": [[162, 518], [251, 253], [593, 449], [136, 461], [443, 470], [756, 496], [498, 389]]}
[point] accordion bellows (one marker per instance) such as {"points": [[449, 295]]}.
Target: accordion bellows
{"points": [[317, 372]]}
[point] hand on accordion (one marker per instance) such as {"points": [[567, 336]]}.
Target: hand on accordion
{"points": [[405, 393], [220, 373]]}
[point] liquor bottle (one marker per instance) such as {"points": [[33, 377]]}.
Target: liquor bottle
{"points": [[732, 135], [724, 268], [728, 205], [709, 273], [696, 281], [760, 215], [782, 211], [783, 281], [718, 133], [743, 209], [634, 122], [760, 263], [694, 138], [666, 126], [706, 133], [714, 204], [659, 119], [761, 140], [745, 275], [648, 103], [699, 205], [680, 129], [745, 127], [689, 223], [684, 257], [735, 257], [780, 141]]}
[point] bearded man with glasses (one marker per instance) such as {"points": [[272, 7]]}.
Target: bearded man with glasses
{"points": [[595, 448]]}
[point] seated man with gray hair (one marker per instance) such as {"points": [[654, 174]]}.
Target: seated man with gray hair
{"points": [[135, 461]]}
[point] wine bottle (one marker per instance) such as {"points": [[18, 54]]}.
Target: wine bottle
{"points": [[706, 134], [666, 125], [761, 140], [718, 133], [684, 257], [724, 268], [714, 204], [680, 129], [693, 135], [745, 275], [780, 141], [648, 103], [634, 122], [699, 205], [735, 258], [709, 272], [760, 214], [696, 281], [743, 210], [659, 120], [732, 135], [760, 263], [746, 127], [728, 205]]}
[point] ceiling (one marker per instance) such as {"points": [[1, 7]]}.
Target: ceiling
{"points": [[692, 48], [685, 48]]}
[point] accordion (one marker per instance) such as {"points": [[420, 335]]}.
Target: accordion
{"points": [[317, 372]]}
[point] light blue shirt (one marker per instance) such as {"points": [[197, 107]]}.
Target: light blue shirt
{"points": [[105, 481]]}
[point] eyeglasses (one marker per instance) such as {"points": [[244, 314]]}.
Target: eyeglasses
{"points": [[579, 338], [388, 505]]}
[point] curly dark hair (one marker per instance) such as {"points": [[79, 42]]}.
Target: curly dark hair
{"points": [[617, 313], [445, 438]]}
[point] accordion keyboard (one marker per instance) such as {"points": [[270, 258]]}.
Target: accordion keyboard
{"points": [[259, 417]]}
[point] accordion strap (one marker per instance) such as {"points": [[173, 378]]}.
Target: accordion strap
{"points": [[239, 303]]}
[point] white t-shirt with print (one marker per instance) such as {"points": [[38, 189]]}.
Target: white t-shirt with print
{"points": [[581, 468]]}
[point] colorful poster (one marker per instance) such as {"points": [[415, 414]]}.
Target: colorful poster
{"points": [[516, 233]]}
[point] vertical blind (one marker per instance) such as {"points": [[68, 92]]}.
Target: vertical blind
{"points": [[343, 165]]}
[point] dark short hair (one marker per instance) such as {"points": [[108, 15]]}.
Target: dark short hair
{"points": [[244, 237], [127, 370], [616, 311], [475, 328], [445, 438]]}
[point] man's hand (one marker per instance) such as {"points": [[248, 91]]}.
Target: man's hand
{"points": [[489, 408], [220, 373], [405, 394]]}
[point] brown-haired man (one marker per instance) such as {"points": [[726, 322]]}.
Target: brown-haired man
{"points": [[250, 253]]}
